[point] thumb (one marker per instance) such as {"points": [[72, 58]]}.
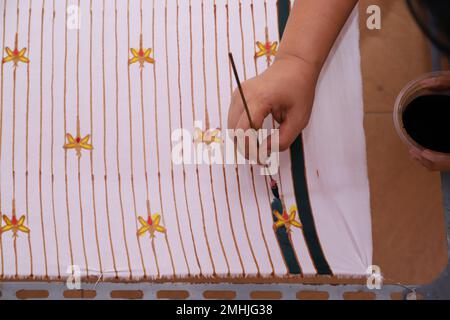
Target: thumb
{"points": [[290, 129]]}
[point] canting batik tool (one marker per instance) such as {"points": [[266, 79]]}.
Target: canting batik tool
{"points": [[283, 221], [273, 182]]}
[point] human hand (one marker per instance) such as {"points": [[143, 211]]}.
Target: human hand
{"points": [[437, 84], [433, 161], [285, 90]]}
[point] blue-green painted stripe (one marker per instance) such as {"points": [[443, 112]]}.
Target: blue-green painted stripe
{"points": [[299, 177], [285, 243]]}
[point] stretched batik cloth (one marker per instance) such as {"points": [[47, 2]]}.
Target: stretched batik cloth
{"points": [[91, 92]]}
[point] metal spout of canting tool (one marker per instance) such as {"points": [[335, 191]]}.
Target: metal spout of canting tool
{"points": [[273, 182]]}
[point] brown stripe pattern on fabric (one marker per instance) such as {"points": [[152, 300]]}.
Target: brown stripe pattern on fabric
{"points": [[13, 165], [104, 143], [40, 141], [91, 156], [182, 154], [234, 239], [219, 106], [131, 141], [169, 105], [157, 147], [26, 137], [208, 127], [144, 143], [119, 180], [65, 130], [238, 180], [79, 158], [1, 131], [236, 172], [202, 210], [52, 142]]}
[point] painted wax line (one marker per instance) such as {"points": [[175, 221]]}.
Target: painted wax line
{"points": [[104, 142], [40, 141], [91, 156], [133, 191], [52, 141], [169, 104], [27, 214], [207, 127], [157, 147], [119, 180], [182, 151], [194, 119]]}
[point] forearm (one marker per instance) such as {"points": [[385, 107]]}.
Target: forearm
{"points": [[312, 29]]}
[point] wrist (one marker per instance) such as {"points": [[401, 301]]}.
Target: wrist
{"points": [[307, 68]]}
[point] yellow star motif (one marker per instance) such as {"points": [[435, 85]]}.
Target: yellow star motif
{"points": [[78, 143], [207, 137], [15, 225], [15, 55], [268, 49], [151, 225], [286, 220], [141, 55]]}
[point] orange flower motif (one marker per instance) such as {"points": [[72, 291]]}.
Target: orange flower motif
{"points": [[286, 220], [268, 49], [141, 55], [78, 143], [207, 137], [15, 55], [151, 225], [15, 225]]}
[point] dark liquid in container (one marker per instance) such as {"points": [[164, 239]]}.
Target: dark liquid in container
{"points": [[427, 121]]}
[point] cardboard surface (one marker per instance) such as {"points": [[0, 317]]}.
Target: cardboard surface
{"points": [[407, 214]]}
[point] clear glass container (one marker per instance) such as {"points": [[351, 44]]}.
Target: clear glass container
{"points": [[427, 84]]}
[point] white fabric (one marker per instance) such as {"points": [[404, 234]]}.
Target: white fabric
{"points": [[334, 148]]}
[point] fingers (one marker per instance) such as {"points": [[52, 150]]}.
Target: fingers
{"points": [[239, 121], [437, 83], [417, 155], [441, 162], [425, 163], [235, 111], [435, 157], [431, 160], [258, 113], [290, 129]]}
